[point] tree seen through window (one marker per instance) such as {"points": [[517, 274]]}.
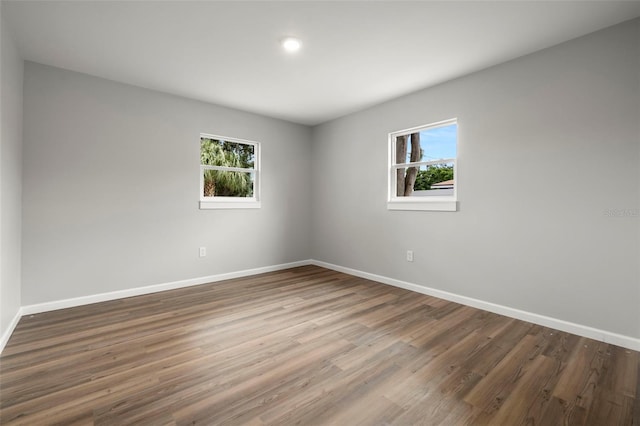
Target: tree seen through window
{"points": [[232, 172]]}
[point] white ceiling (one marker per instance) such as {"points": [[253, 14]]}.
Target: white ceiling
{"points": [[355, 54]]}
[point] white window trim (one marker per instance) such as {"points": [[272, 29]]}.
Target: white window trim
{"points": [[233, 202], [432, 203]]}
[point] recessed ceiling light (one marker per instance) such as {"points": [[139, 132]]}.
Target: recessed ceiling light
{"points": [[291, 44]]}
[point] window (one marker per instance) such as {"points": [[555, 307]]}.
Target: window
{"points": [[422, 167], [229, 173]]}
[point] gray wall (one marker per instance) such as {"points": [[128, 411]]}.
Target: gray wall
{"points": [[563, 118], [10, 178], [111, 186]]}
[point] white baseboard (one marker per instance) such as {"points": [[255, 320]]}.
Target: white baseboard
{"points": [[581, 330], [7, 333], [138, 291], [558, 324]]}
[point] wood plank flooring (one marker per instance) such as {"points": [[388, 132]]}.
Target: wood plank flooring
{"points": [[307, 346]]}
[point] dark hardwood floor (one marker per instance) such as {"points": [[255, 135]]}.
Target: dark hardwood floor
{"points": [[307, 346]]}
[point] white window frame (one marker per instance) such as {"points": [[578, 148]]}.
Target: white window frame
{"points": [[232, 202], [431, 203]]}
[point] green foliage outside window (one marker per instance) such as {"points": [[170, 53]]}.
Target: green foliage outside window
{"points": [[222, 183], [433, 174]]}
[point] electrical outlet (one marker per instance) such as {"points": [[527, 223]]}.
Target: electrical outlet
{"points": [[409, 255], [203, 251]]}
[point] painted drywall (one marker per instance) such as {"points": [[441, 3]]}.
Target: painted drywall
{"points": [[111, 187], [10, 179], [548, 183], [549, 186]]}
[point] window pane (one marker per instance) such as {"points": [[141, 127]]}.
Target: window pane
{"points": [[217, 152], [437, 143], [425, 181], [219, 183]]}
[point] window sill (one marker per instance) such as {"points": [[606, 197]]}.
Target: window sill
{"points": [[213, 205], [433, 206]]}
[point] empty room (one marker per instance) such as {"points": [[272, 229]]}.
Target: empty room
{"points": [[320, 213]]}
